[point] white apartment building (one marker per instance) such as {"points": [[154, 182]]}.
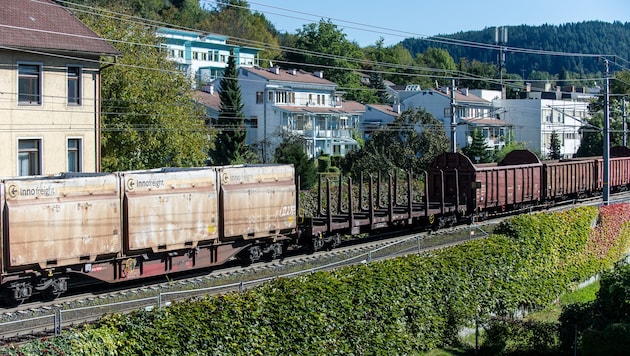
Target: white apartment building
{"points": [[534, 120], [281, 102], [203, 57]]}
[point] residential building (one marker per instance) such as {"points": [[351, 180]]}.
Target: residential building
{"points": [[472, 113], [280, 103], [50, 74], [534, 121], [377, 116], [203, 57]]}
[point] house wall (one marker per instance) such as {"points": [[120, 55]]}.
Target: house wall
{"points": [[534, 120], [54, 121]]}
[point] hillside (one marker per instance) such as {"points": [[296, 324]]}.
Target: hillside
{"points": [[590, 37]]}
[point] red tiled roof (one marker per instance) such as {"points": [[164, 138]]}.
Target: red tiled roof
{"points": [[387, 109], [44, 25], [294, 76], [210, 100]]}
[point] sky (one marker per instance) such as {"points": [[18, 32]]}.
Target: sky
{"points": [[365, 21]]}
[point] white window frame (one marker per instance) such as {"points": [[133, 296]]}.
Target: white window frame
{"points": [[40, 84], [40, 154]]}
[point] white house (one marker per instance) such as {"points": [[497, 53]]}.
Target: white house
{"points": [[293, 102], [534, 120], [203, 57], [472, 113]]}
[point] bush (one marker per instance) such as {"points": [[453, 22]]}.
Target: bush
{"points": [[397, 306]]}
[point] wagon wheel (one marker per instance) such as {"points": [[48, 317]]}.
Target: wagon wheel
{"points": [[56, 288], [17, 293]]}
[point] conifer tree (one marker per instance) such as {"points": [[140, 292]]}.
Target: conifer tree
{"points": [[554, 146], [230, 146], [478, 151]]}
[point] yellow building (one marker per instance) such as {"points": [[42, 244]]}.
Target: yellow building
{"points": [[50, 73]]}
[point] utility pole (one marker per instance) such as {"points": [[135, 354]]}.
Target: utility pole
{"points": [[606, 192], [453, 118], [501, 38]]}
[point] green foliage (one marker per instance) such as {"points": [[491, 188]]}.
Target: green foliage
{"points": [[580, 37], [149, 118], [555, 146], [234, 18], [399, 306], [408, 143], [292, 151], [478, 151], [517, 337], [323, 163], [230, 146], [323, 46]]}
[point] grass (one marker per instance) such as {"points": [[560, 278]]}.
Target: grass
{"points": [[552, 312]]}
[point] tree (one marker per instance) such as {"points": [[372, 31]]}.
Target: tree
{"points": [[322, 46], [478, 151], [410, 142], [230, 146], [555, 146], [291, 151], [234, 18], [149, 118]]}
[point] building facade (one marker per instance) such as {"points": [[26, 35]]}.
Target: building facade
{"points": [[535, 120], [280, 103], [203, 57], [471, 113], [50, 73]]}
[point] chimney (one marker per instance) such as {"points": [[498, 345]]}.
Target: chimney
{"points": [[464, 91], [293, 71], [319, 74], [274, 70], [209, 89], [396, 108]]}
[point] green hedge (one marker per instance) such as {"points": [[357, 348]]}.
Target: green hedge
{"points": [[390, 307]]}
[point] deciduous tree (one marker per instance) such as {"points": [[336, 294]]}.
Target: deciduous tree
{"points": [[148, 116]]}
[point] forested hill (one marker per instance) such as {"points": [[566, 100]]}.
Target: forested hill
{"points": [[590, 37]]}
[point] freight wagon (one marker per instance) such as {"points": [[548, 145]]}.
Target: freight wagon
{"points": [[129, 225]]}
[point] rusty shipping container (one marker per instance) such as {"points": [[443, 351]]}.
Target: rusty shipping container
{"points": [[257, 201], [169, 209], [61, 220]]}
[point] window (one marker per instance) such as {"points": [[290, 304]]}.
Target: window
{"points": [[74, 155], [291, 98], [253, 122], [29, 157], [281, 97], [29, 84], [74, 85], [259, 97]]}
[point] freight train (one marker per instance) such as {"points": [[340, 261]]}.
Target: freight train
{"points": [[123, 226]]}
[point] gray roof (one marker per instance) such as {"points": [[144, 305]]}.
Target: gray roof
{"points": [[46, 26]]}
